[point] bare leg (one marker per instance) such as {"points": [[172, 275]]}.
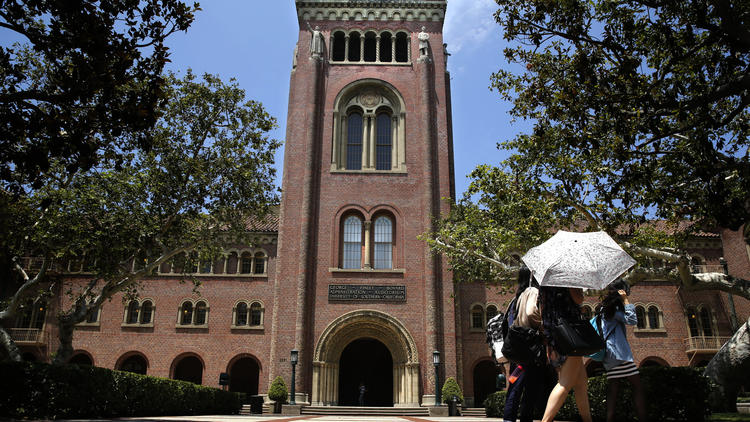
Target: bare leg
{"points": [[581, 393], [572, 375], [638, 397], [612, 387]]}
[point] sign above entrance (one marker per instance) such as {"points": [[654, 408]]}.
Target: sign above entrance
{"points": [[366, 293]]}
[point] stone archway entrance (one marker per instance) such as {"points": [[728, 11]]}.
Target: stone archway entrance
{"points": [[358, 328], [366, 362]]}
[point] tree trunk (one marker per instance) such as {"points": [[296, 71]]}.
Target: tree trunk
{"points": [[10, 346], [66, 325], [730, 366]]}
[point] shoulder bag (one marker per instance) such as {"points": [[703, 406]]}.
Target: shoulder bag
{"points": [[576, 338]]}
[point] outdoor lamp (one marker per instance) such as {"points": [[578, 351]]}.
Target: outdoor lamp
{"points": [[293, 358], [436, 362]]}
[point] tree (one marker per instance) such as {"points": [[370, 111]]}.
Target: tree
{"points": [[640, 113], [84, 73], [277, 392], [643, 99], [206, 176]]}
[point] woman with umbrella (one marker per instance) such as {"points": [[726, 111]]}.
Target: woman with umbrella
{"points": [[564, 265]]}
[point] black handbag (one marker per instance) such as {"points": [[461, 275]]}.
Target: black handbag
{"points": [[576, 338], [524, 346]]}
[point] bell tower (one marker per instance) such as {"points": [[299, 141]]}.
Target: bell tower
{"points": [[368, 157]]}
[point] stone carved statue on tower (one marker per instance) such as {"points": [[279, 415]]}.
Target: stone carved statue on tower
{"points": [[424, 46], [316, 41]]}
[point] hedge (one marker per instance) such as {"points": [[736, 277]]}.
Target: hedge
{"points": [[672, 394], [43, 391]]}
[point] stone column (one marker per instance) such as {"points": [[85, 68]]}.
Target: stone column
{"points": [[377, 48], [393, 48], [346, 48], [362, 48], [368, 246]]}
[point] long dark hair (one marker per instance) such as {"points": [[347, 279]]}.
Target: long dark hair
{"points": [[612, 301], [524, 277]]}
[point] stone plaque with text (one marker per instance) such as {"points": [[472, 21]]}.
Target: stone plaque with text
{"points": [[366, 293]]}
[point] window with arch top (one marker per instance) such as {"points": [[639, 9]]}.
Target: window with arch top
{"points": [[367, 48], [383, 243], [352, 243], [369, 126]]}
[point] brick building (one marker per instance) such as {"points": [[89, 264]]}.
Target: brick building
{"points": [[339, 274]]}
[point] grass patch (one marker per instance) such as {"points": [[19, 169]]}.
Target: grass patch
{"points": [[729, 417]]}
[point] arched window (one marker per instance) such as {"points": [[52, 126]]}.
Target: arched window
{"points": [[354, 47], [352, 253], [491, 312], [338, 46], [241, 314], [259, 263], [402, 47], [246, 263], [640, 313], [383, 243], [383, 144], [256, 314], [386, 47], [477, 317], [370, 53], [653, 317], [186, 313], [133, 308], [354, 142], [93, 317], [135, 364], [147, 310], [201, 312], [369, 127]]}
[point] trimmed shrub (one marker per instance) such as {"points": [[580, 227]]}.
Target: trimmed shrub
{"points": [[672, 394], [450, 389], [278, 391], [43, 391]]}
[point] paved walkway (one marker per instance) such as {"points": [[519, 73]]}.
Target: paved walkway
{"points": [[311, 418]]}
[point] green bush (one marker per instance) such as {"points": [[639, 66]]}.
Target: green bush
{"points": [[672, 394], [277, 391], [450, 389], [42, 391]]}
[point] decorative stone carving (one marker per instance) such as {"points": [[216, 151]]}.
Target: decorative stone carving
{"points": [[369, 99], [432, 11]]}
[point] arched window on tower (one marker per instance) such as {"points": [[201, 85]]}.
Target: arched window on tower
{"points": [[259, 265], [370, 53], [241, 314], [133, 309], [338, 46], [354, 142], [147, 310], [706, 322], [654, 320], [354, 47], [383, 243], [402, 47], [386, 47], [491, 312], [383, 144], [352, 257]]}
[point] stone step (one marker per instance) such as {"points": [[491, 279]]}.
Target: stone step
{"points": [[245, 410], [365, 411], [473, 411]]}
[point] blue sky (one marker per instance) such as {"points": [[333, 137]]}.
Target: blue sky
{"points": [[253, 42]]}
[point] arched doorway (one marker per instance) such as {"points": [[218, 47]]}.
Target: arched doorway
{"points": [[243, 376], [365, 325], [81, 359], [485, 376], [134, 363], [368, 362], [189, 368]]}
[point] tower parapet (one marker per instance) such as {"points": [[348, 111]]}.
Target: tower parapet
{"points": [[372, 10]]}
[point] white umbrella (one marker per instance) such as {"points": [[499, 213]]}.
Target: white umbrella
{"points": [[585, 260]]}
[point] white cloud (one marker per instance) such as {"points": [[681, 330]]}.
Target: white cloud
{"points": [[468, 23]]}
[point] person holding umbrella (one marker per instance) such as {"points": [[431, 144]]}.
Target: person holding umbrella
{"points": [[564, 265]]}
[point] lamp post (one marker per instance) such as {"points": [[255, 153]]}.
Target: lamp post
{"points": [[732, 311], [436, 362], [294, 358]]}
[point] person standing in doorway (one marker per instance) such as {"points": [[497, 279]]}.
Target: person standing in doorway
{"points": [[362, 391]]}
